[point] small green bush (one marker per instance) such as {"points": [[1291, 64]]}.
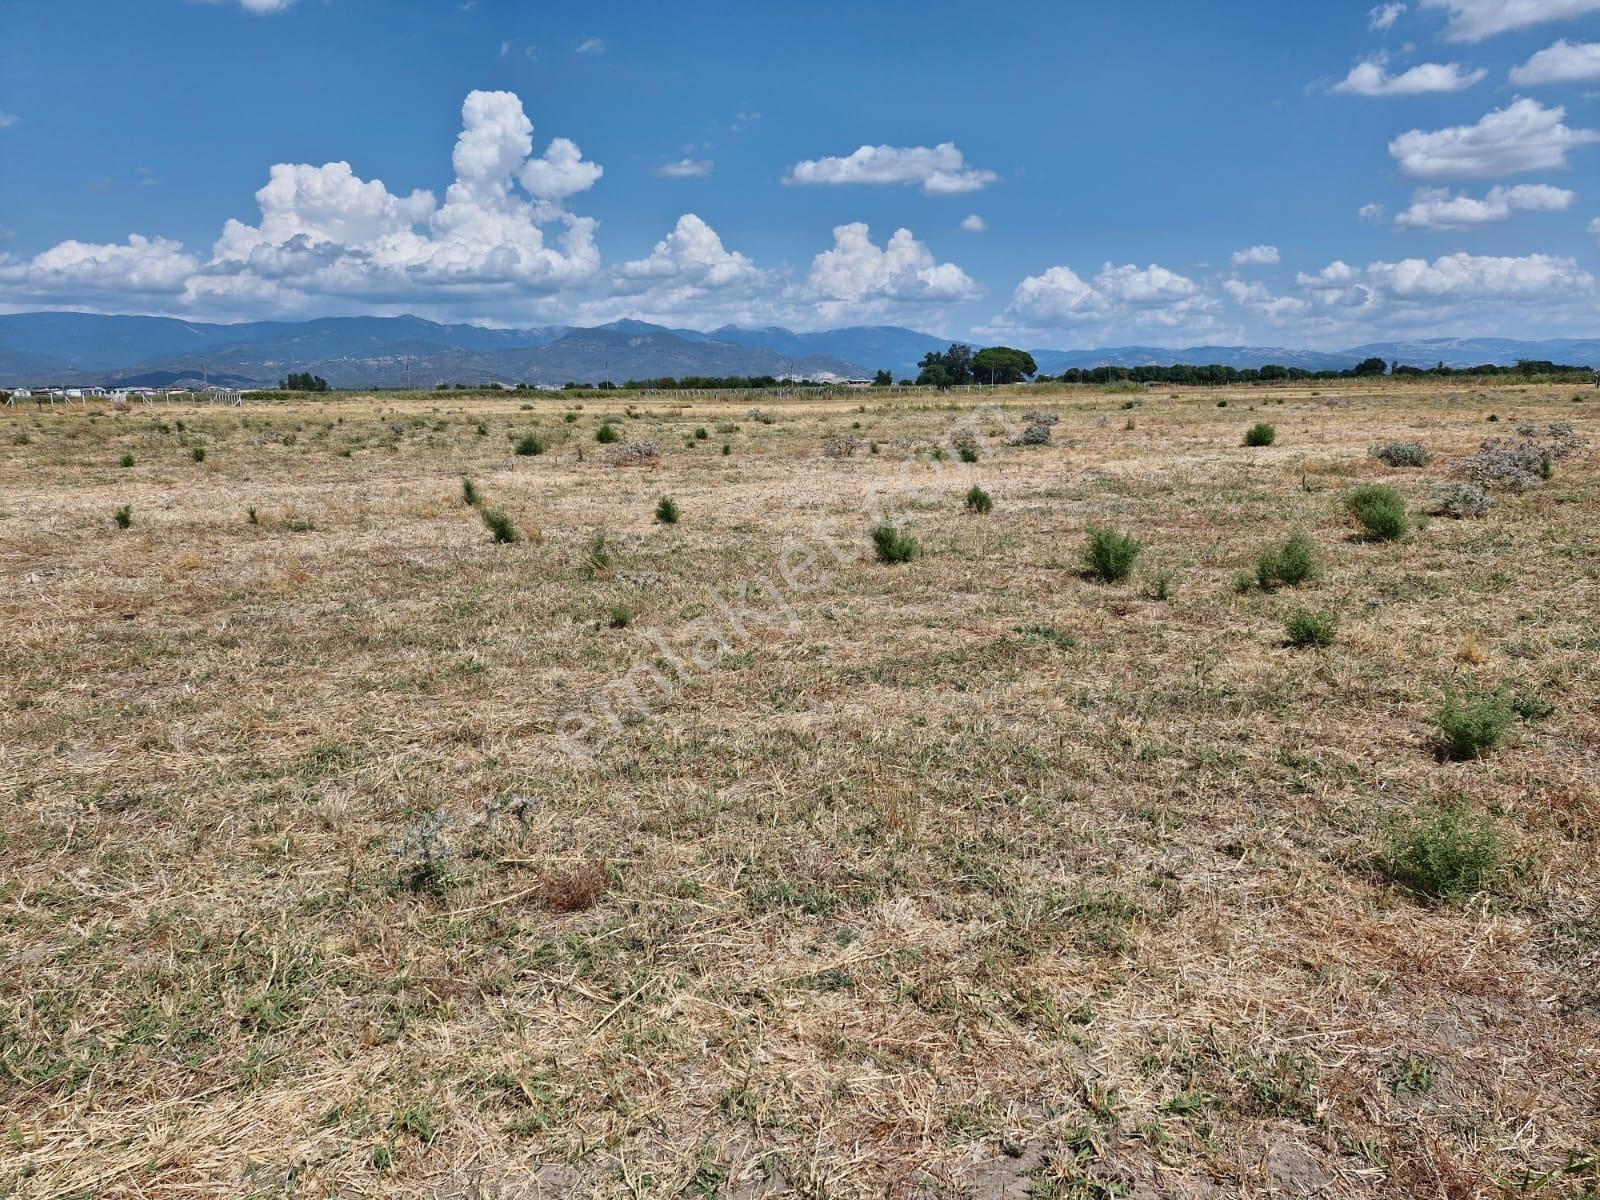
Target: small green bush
{"points": [[126, 460], [123, 517], [1292, 563], [726, 449], [469, 493], [1306, 628], [667, 511], [700, 434], [1260, 434], [968, 454], [1402, 454], [621, 616], [893, 546], [198, 454], [979, 501], [501, 530], [1380, 511], [1471, 728], [1444, 855], [529, 445], [597, 556], [606, 434], [1109, 556]]}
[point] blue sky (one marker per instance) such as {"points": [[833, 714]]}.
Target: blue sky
{"points": [[1051, 174]]}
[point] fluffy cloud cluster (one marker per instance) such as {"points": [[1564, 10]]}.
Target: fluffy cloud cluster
{"points": [[503, 244], [1438, 210], [858, 277], [938, 170], [1384, 16], [1124, 298], [1450, 292], [1565, 62], [1523, 136], [1370, 78], [1255, 256], [1474, 20]]}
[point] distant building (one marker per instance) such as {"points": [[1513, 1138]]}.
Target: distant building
{"points": [[857, 383]]}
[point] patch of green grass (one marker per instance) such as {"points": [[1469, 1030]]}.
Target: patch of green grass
{"points": [[1380, 511], [597, 555], [978, 500], [1443, 855], [1109, 556], [894, 546], [620, 617], [469, 493], [1287, 565], [1260, 434], [123, 517], [607, 433], [667, 511], [1048, 633], [501, 529], [1472, 727], [529, 445], [1311, 629], [126, 460]]}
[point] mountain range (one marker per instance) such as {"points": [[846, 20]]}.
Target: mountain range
{"points": [[82, 349]]}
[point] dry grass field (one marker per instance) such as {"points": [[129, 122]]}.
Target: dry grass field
{"points": [[349, 853]]}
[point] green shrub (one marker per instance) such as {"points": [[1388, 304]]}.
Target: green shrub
{"points": [[126, 460], [978, 500], [606, 434], [1109, 556], [1380, 511], [1292, 563], [198, 454], [123, 517], [968, 454], [501, 530], [667, 511], [1260, 434], [469, 493], [726, 449], [700, 434], [621, 616], [1443, 855], [1306, 628], [597, 556], [1402, 454], [1471, 728], [893, 546], [1157, 585], [529, 445]]}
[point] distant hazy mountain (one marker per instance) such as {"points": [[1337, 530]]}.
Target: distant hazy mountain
{"points": [[77, 348]]}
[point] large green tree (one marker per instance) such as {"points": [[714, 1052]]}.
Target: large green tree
{"points": [[1002, 364]]}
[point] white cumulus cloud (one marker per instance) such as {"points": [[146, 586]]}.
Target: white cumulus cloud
{"points": [[1474, 20], [1437, 209], [1255, 256], [1116, 302], [1565, 62], [1384, 16], [1523, 136], [938, 170], [1371, 78], [685, 168], [973, 223], [856, 276]]}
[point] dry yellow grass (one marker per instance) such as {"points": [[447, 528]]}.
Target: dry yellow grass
{"points": [[967, 876]]}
